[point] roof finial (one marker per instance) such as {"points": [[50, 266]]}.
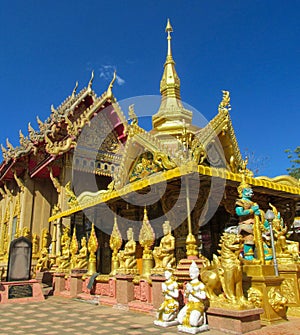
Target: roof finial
{"points": [[110, 86], [169, 30]]}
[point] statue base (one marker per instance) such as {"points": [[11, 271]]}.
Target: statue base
{"points": [[157, 296], [262, 279], [124, 289], [234, 321], [59, 283], [294, 311], [290, 272], [193, 330], [166, 324], [75, 284], [20, 292]]}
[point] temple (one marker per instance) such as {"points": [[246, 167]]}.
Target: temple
{"points": [[89, 172]]}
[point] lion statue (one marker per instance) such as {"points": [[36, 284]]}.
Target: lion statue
{"points": [[225, 272]]}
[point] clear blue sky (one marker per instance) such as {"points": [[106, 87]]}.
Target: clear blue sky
{"points": [[248, 47]]}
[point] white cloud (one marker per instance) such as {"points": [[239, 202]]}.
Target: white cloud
{"points": [[107, 72], [120, 81]]}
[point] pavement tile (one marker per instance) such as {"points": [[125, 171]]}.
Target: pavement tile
{"points": [[59, 316]]}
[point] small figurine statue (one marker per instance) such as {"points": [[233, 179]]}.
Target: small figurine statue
{"points": [[81, 258], [65, 238], [63, 261], [35, 244], [192, 316], [44, 261], [168, 310], [127, 257], [286, 251], [164, 254]]}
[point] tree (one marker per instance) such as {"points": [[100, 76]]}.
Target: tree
{"points": [[256, 163], [294, 157]]}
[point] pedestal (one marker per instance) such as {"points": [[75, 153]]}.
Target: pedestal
{"points": [[142, 297], [59, 283], [76, 284], [125, 290], [234, 321], [157, 296], [266, 291], [44, 277], [20, 292], [290, 273]]}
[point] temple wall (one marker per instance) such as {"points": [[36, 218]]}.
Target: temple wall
{"points": [[42, 203], [24, 211]]}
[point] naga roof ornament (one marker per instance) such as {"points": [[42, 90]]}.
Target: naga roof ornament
{"points": [[109, 93], [91, 81], [75, 89]]}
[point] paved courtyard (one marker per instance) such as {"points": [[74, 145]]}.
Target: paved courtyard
{"points": [[56, 316]]}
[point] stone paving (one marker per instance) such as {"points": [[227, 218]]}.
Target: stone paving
{"points": [[58, 316]]}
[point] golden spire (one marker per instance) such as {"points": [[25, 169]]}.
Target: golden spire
{"points": [[171, 112], [169, 30], [170, 82]]}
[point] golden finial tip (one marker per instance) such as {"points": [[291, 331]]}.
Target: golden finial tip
{"points": [[169, 27]]}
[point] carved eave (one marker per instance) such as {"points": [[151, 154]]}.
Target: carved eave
{"points": [[267, 185], [69, 104], [221, 126], [288, 181], [73, 128], [140, 142]]}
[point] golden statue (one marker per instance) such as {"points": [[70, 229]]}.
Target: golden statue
{"points": [[286, 251], [43, 263], [164, 254], [35, 244], [73, 249], [46, 238], [127, 259], [63, 261], [81, 258], [146, 239], [92, 248], [115, 243], [65, 238], [168, 310], [226, 272]]}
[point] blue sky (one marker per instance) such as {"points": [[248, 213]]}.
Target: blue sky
{"points": [[248, 47]]}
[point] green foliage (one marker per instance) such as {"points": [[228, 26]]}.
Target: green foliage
{"points": [[294, 157]]}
